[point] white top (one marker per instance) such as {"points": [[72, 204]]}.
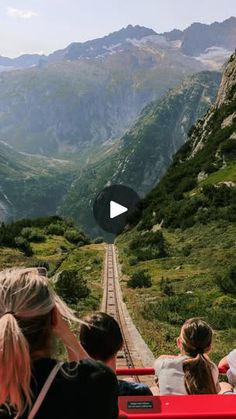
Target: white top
{"points": [[170, 374], [231, 373]]}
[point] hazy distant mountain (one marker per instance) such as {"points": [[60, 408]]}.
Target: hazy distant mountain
{"points": [[199, 38], [90, 93], [79, 50], [71, 105], [195, 40], [101, 46]]}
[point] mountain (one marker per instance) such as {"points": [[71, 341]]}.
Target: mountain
{"points": [[139, 159], [89, 93], [142, 156], [30, 185], [200, 38], [184, 236], [102, 46], [67, 106], [195, 40], [203, 171], [24, 61], [148, 147], [79, 50]]}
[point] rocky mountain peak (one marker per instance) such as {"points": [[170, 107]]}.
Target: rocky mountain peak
{"points": [[227, 91], [221, 115]]}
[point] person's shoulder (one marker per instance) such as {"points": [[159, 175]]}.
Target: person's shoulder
{"points": [[165, 360], [87, 366], [232, 355]]}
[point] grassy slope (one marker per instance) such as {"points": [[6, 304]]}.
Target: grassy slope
{"points": [[87, 259], [195, 273]]}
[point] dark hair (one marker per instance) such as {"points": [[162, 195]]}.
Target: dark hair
{"points": [[196, 336], [101, 336]]}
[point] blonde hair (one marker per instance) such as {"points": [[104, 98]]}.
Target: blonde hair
{"points": [[26, 302]]}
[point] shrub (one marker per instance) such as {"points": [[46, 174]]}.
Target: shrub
{"points": [[227, 282], [140, 279], [98, 240], [33, 235], [133, 261], [75, 236], [96, 261], [228, 149], [24, 246], [187, 250], [166, 287], [71, 286], [149, 246], [26, 232], [56, 229]]}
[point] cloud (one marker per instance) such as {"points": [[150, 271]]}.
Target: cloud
{"points": [[21, 14]]}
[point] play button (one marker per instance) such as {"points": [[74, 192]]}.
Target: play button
{"points": [[114, 206], [116, 209]]}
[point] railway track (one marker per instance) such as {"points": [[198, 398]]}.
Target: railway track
{"points": [[129, 356]]}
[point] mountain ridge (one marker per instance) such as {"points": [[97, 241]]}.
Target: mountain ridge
{"points": [[220, 34], [66, 106]]}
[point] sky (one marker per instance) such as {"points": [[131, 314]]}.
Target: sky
{"points": [[43, 26]]}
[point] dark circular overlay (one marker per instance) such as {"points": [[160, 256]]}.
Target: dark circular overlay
{"points": [[117, 195]]}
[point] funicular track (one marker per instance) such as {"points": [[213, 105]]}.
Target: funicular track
{"points": [[129, 356]]}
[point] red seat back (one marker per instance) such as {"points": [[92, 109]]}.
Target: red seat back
{"points": [[178, 407]]}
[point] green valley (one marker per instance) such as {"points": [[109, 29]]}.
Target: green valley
{"points": [[142, 156]]}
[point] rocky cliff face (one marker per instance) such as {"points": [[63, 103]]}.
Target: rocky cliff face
{"points": [[223, 106], [227, 91]]}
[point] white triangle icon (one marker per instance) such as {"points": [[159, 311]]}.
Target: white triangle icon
{"points": [[116, 209]]}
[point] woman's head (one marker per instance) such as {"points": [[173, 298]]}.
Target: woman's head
{"points": [[195, 337], [195, 340], [26, 306]]}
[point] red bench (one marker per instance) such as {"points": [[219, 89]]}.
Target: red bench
{"points": [[175, 407], [178, 407]]}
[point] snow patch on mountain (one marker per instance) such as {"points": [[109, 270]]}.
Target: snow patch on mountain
{"points": [[154, 39], [214, 57]]}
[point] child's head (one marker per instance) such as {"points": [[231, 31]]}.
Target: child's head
{"points": [[195, 337], [195, 340], [101, 336]]}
